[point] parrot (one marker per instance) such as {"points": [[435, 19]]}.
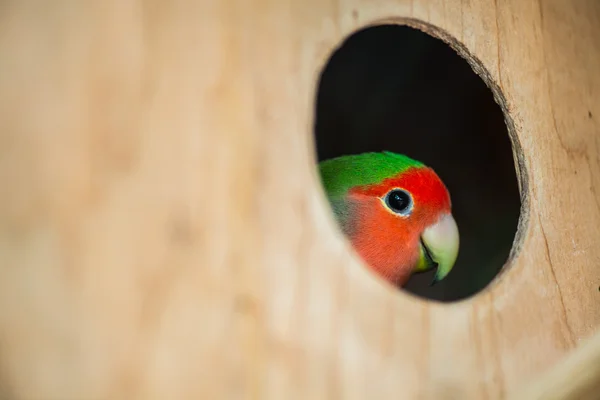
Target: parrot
{"points": [[395, 211]]}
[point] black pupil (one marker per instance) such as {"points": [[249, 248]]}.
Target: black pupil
{"points": [[398, 200]]}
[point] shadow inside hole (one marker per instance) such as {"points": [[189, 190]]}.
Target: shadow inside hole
{"points": [[396, 88]]}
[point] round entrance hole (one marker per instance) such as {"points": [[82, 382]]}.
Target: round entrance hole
{"points": [[395, 88]]}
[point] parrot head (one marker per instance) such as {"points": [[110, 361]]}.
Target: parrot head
{"points": [[395, 211]]}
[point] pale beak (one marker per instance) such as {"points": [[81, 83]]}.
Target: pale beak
{"points": [[439, 246]]}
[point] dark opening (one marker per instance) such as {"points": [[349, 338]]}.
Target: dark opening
{"points": [[396, 88]]}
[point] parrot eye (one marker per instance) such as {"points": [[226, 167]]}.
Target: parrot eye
{"points": [[399, 201]]}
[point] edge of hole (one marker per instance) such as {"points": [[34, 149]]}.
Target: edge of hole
{"points": [[482, 72]]}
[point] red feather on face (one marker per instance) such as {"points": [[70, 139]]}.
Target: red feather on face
{"points": [[389, 243]]}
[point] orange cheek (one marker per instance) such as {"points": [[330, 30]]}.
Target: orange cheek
{"points": [[386, 242], [420, 219]]}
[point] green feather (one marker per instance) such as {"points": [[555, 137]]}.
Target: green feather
{"points": [[340, 174]]}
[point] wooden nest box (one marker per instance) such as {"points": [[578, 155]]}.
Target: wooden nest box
{"points": [[163, 232]]}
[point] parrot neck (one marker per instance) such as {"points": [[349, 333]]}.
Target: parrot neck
{"points": [[375, 236]]}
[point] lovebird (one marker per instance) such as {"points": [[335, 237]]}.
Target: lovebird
{"points": [[395, 211]]}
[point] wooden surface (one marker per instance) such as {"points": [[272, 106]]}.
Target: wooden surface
{"points": [[163, 233], [576, 377]]}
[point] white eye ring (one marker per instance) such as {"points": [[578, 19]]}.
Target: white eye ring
{"points": [[399, 202]]}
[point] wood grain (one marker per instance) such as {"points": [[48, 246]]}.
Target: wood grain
{"points": [[576, 377], [163, 233]]}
